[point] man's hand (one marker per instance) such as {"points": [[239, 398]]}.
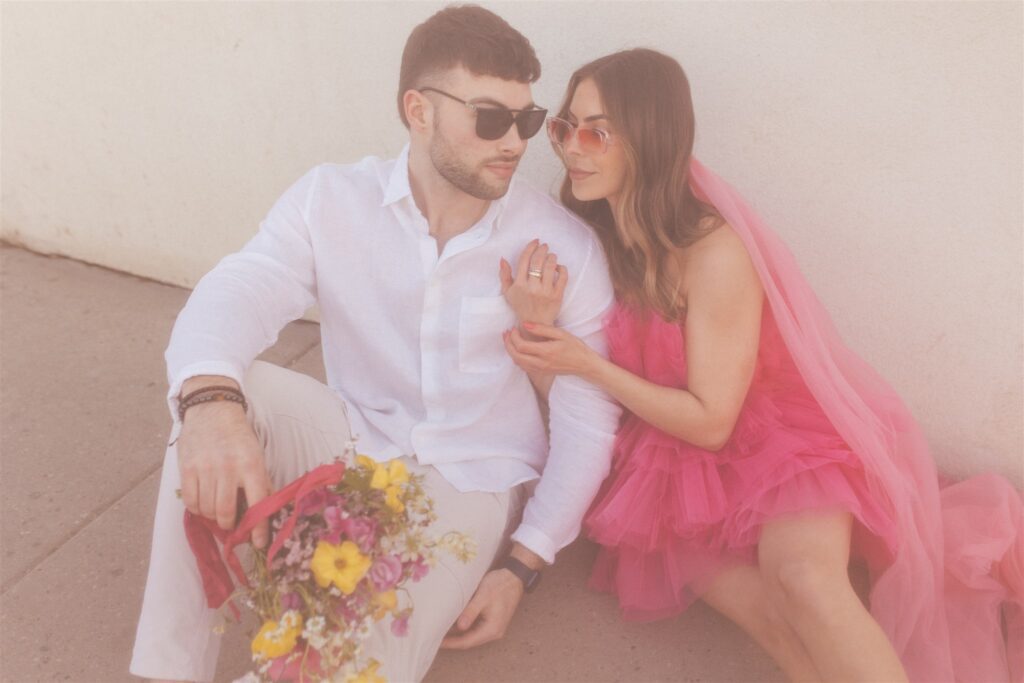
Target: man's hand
{"points": [[491, 608], [489, 611], [219, 454]]}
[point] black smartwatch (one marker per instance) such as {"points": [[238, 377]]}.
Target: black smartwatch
{"points": [[529, 577]]}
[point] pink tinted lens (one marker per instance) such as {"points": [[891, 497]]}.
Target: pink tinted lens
{"points": [[591, 141], [561, 132]]}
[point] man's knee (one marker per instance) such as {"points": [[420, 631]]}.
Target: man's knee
{"points": [[259, 384], [271, 390]]}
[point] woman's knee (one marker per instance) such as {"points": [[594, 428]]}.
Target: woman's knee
{"points": [[808, 588]]}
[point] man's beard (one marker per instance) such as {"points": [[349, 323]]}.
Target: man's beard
{"points": [[459, 174]]}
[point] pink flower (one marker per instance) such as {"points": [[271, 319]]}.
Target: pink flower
{"points": [[315, 501], [386, 572], [349, 613], [291, 601], [290, 667], [400, 625], [334, 516], [419, 569], [362, 530]]}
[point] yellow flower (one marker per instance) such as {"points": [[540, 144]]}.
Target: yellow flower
{"points": [[366, 461], [278, 639], [368, 675], [394, 473], [392, 499], [343, 565], [384, 602]]}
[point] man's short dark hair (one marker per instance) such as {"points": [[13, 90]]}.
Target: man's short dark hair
{"points": [[468, 36]]}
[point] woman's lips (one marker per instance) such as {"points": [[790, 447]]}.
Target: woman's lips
{"points": [[576, 174]]}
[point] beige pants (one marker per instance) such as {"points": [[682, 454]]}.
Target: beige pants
{"points": [[301, 424]]}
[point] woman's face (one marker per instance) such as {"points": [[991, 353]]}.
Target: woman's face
{"points": [[594, 174]]}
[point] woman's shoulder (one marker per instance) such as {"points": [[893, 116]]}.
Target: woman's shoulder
{"points": [[720, 251], [719, 265]]}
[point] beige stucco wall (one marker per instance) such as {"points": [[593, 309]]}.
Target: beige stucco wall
{"points": [[882, 140]]}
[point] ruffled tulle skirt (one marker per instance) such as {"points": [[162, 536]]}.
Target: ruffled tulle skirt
{"points": [[671, 515]]}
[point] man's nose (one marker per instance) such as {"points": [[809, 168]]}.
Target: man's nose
{"points": [[511, 144]]}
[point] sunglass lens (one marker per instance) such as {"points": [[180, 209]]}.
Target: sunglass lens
{"points": [[492, 124], [529, 122], [559, 131], [591, 141]]}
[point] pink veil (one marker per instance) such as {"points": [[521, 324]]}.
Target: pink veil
{"points": [[959, 569]]}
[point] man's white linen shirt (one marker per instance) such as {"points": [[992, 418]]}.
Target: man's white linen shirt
{"points": [[412, 340]]}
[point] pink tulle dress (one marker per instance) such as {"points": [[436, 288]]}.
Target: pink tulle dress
{"points": [[819, 430], [671, 514]]}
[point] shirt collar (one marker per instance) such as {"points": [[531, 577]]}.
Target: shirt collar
{"points": [[398, 183], [398, 187]]}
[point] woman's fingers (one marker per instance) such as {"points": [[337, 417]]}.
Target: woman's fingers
{"points": [[524, 349], [550, 268], [546, 331], [521, 359], [562, 281], [522, 345], [523, 265], [505, 274], [537, 262]]}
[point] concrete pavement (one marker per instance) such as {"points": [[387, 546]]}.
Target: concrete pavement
{"points": [[83, 425]]}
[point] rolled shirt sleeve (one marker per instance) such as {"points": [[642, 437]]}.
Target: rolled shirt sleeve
{"points": [[583, 421], [238, 308]]}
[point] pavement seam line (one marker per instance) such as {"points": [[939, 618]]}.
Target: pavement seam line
{"points": [[291, 363], [97, 512], [86, 522]]}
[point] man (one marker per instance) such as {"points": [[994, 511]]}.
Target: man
{"points": [[403, 258]]}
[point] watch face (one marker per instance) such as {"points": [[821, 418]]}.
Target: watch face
{"points": [[532, 578], [528, 576]]}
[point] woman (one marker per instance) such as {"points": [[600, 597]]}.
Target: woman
{"points": [[757, 453]]}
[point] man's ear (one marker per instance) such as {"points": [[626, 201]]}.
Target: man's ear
{"points": [[419, 112]]}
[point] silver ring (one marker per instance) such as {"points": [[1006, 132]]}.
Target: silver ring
{"points": [[535, 273]]}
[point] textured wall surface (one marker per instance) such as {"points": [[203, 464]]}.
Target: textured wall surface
{"points": [[882, 140]]}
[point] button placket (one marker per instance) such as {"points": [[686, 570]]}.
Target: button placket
{"points": [[430, 343]]}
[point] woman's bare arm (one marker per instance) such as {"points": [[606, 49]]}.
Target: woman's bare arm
{"points": [[722, 333]]}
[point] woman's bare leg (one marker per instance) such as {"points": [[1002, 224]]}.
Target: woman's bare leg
{"points": [[803, 564], [739, 594]]}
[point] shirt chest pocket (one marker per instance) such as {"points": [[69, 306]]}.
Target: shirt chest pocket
{"points": [[481, 323]]}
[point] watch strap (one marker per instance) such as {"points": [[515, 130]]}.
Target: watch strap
{"points": [[528, 576]]}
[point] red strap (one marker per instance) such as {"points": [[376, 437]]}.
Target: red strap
{"points": [[203, 533]]}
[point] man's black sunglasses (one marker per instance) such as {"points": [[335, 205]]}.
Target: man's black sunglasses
{"points": [[492, 122]]}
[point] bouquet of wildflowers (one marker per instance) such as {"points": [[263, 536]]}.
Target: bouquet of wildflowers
{"points": [[345, 542]]}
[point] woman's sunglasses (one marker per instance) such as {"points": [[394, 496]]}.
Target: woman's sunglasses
{"points": [[493, 122], [591, 140]]}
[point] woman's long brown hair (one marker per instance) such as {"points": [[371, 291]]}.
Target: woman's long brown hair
{"points": [[646, 95]]}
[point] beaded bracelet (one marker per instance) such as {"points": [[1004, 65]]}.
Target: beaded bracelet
{"points": [[216, 387], [210, 394]]}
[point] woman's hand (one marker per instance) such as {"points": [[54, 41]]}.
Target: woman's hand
{"points": [[560, 353], [534, 298]]}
